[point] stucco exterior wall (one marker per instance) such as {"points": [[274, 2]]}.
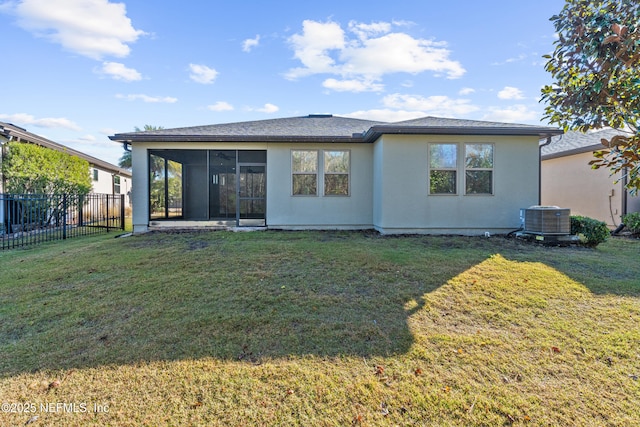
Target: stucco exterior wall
{"points": [[140, 191], [344, 212], [388, 187], [401, 193], [284, 210], [569, 182]]}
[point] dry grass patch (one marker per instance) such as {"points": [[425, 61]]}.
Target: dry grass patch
{"points": [[323, 329]]}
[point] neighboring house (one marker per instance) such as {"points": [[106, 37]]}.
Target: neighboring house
{"points": [[569, 181], [429, 175], [106, 178]]}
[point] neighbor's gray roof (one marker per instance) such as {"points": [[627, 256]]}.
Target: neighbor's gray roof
{"points": [[11, 131], [577, 142], [328, 128]]}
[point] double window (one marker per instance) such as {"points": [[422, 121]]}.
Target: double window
{"points": [[308, 165], [477, 166]]}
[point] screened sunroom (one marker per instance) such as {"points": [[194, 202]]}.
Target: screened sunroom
{"points": [[226, 187]]}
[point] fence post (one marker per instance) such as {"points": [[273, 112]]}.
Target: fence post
{"points": [[64, 216], [122, 211], [80, 210], [106, 196]]}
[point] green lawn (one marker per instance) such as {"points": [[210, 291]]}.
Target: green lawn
{"points": [[319, 329]]}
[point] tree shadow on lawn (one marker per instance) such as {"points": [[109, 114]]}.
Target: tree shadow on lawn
{"points": [[611, 268], [240, 297], [234, 297]]}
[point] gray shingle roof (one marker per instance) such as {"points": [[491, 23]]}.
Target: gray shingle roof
{"points": [[329, 128], [577, 142], [458, 123], [314, 126]]}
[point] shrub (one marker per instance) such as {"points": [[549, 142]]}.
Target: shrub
{"points": [[591, 231], [632, 222]]}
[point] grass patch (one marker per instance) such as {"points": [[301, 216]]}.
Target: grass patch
{"points": [[320, 328]]}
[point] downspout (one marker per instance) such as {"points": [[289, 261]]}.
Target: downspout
{"points": [[625, 192], [540, 169], [1, 167], [623, 196]]}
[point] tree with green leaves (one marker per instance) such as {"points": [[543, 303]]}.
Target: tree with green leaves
{"points": [[125, 160], [596, 70], [32, 169]]}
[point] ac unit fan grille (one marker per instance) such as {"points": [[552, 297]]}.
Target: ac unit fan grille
{"points": [[547, 220]]}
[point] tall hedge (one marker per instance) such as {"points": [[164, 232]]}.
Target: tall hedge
{"points": [[32, 169]]}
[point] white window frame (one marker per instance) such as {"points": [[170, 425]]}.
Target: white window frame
{"points": [[326, 173], [491, 169], [449, 169], [316, 173]]}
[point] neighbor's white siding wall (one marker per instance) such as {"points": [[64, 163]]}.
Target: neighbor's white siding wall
{"points": [[104, 184], [327, 212], [402, 199]]}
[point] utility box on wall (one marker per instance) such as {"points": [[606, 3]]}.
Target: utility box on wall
{"points": [[547, 220]]}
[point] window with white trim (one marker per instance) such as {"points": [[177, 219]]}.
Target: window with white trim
{"points": [[304, 172], [443, 169], [336, 172], [478, 169]]}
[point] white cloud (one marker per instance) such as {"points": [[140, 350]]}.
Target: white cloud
{"points": [[313, 45], [466, 91], [518, 58], [220, 106], [147, 98], [118, 71], [402, 54], [400, 107], [364, 31], [432, 105], [373, 51], [352, 85], [249, 44], [48, 122], [385, 115], [87, 138], [267, 108], [510, 92], [202, 74], [108, 131], [515, 114], [92, 28]]}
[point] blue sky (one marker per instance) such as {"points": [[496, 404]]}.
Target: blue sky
{"points": [[76, 71]]}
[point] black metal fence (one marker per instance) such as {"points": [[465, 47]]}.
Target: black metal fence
{"points": [[27, 219]]}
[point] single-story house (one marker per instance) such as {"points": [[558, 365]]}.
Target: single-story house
{"points": [[429, 175], [106, 177], [569, 181]]}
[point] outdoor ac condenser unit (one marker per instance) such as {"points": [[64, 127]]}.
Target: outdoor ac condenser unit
{"points": [[550, 220]]}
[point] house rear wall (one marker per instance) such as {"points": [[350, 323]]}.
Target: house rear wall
{"points": [[388, 187], [403, 204]]}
